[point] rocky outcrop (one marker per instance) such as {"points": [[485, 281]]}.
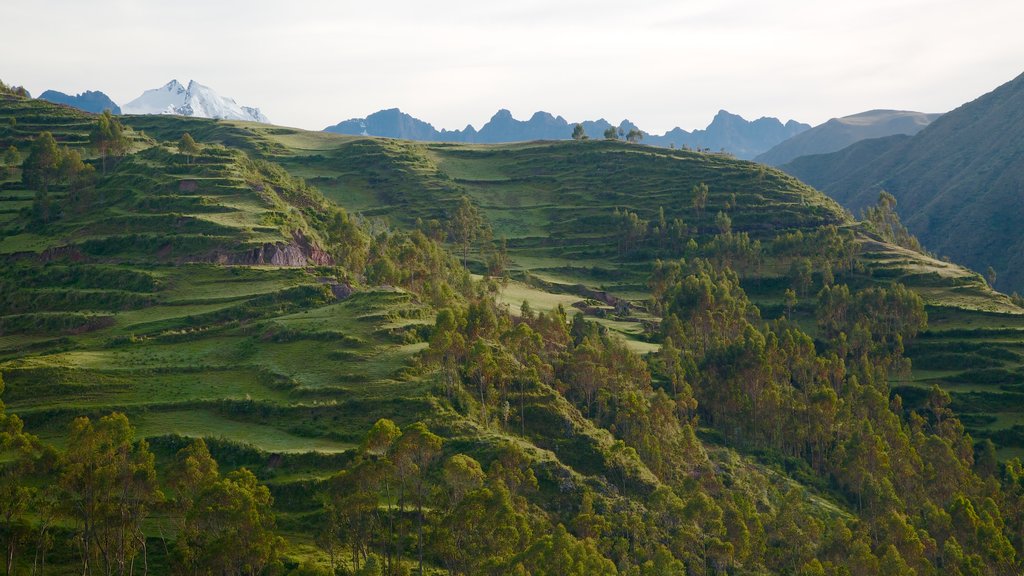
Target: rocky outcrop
{"points": [[278, 254], [300, 252], [314, 253]]}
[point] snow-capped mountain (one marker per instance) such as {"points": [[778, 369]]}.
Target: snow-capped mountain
{"points": [[195, 100]]}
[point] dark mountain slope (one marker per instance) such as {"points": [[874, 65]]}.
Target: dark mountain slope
{"points": [[958, 181], [838, 133]]}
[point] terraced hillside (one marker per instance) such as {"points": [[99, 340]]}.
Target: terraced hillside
{"points": [[128, 306], [218, 296], [555, 204]]}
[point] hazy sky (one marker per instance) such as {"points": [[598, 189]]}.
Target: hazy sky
{"points": [[659, 63]]}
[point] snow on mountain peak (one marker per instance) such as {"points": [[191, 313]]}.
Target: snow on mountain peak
{"points": [[196, 100]]}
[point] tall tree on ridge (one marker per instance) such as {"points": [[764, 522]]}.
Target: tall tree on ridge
{"points": [[108, 138]]}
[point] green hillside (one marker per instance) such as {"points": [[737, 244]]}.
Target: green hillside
{"points": [[287, 296], [555, 205], [958, 181]]}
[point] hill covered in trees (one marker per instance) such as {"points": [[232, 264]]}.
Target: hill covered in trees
{"points": [[548, 358], [957, 181]]}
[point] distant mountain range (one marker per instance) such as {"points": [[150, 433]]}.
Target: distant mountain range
{"points": [[194, 100], [95, 102], [729, 132], [959, 181], [838, 133]]}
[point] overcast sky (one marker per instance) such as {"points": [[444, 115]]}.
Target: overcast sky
{"points": [[659, 63]]}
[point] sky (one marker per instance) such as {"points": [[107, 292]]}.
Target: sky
{"points": [[659, 63]]}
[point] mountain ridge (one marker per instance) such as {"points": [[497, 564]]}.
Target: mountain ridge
{"points": [[730, 132], [838, 133], [88, 101]]}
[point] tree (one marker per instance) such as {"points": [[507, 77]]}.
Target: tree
{"points": [[108, 138], [78, 175], [886, 222], [11, 159], [700, 198], [42, 167], [225, 525], [990, 275], [801, 276], [465, 226], [724, 223], [634, 135], [109, 486], [611, 133], [233, 526], [413, 454], [578, 133], [188, 146], [19, 498], [790, 300]]}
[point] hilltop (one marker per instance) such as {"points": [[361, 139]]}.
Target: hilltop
{"points": [[957, 181], [838, 133]]}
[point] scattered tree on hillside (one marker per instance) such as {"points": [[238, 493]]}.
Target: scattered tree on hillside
{"points": [[465, 226], [611, 133], [991, 276], [634, 135], [20, 499], [108, 484], [700, 198], [578, 133], [108, 138], [11, 159], [188, 147], [801, 276], [790, 301], [724, 223], [884, 219], [42, 167]]}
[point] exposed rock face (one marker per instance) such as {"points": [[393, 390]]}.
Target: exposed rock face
{"points": [[278, 254], [313, 252], [297, 253]]}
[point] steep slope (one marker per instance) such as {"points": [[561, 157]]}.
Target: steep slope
{"points": [[727, 132], [87, 101], [958, 182], [195, 100], [838, 133]]}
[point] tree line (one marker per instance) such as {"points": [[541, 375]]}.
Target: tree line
{"points": [[96, 495]]}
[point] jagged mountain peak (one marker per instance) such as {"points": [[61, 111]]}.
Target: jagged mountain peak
{"points": [[727, 131], [89, 101], [197, 100]]}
